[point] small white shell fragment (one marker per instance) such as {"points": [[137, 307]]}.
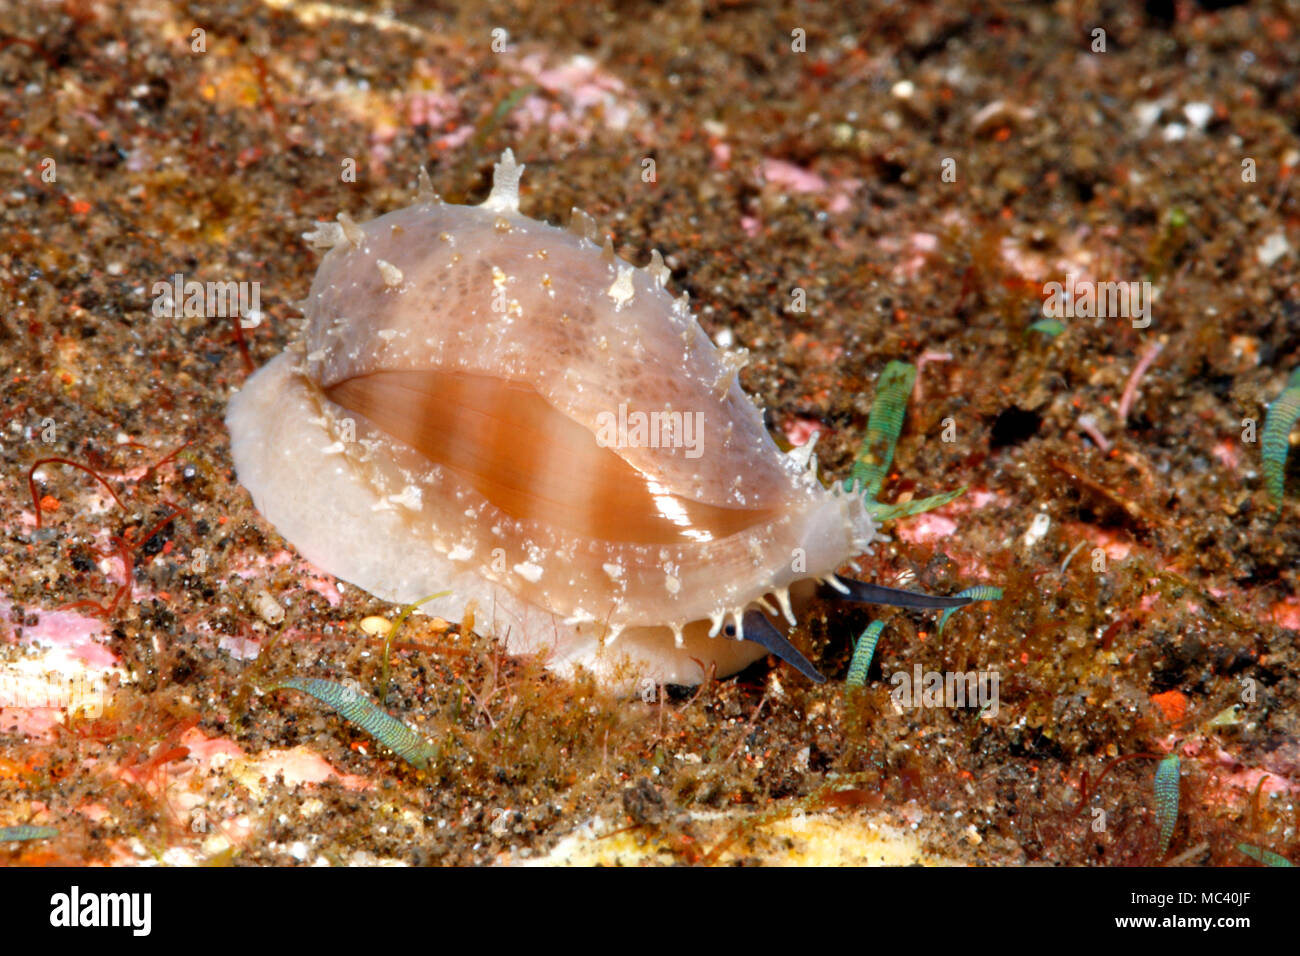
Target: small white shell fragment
{"points": [[1199, 114], [1272, 249], [267, 607], [1148, 112], [1037, 529], [375, 626], [1000, 113]]}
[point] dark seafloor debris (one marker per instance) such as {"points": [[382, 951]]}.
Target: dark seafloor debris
{"points": [[906, 187]]}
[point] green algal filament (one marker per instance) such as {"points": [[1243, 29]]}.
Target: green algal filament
{"points": [[392, 636], [1278, 422], [883, 427], [1166, 789], [881, 513], [1259, 854], [13, 834], [862, 654], [1049, 327], [360, 710], [980, 592]]}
